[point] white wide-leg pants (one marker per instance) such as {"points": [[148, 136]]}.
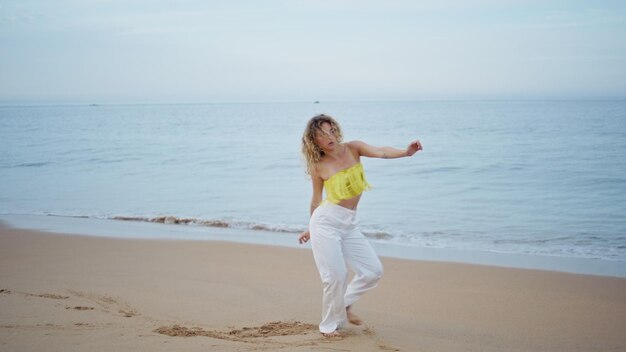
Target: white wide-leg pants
{"points": [[337, 241]]}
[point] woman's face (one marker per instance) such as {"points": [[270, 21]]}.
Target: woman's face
{"points": [[326, 138]]}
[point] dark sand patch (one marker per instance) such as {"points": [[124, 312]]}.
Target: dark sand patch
{"points": [[128, 313], [245, 334], [80, 308], [47, 295], [275, 328]]}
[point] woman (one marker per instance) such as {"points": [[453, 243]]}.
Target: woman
{"points": [[335, 237]]}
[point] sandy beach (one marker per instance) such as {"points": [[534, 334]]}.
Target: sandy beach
{"points": [[75, 293]]}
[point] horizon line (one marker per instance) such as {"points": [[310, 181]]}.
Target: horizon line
{"points": [[96, 104]]}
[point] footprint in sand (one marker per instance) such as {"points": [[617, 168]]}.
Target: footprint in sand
{"points": [[371, 333], [108, 303], [128, 313], [84, 324], [46, 295]]}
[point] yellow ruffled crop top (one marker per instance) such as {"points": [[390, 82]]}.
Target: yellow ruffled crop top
{"points": [[346, 184]]}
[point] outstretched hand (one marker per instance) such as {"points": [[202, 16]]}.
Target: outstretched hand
{"points": [[304, 237], [413, 147]]}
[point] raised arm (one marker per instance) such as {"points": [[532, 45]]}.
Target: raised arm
{"points": [[371, 151]]}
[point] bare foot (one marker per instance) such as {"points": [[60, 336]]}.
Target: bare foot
{"points": [[353, 318], [332, 334]]}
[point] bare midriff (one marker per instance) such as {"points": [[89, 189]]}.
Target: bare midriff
{"points": [[350, 203]]}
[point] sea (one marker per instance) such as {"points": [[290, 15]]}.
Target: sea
{"points": [[529, 179]]}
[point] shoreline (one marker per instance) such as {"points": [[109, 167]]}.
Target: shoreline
{"points": [[67, 292], [109, 228]]}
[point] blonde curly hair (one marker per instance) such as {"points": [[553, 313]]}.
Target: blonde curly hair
{"points": [[311, 152]]}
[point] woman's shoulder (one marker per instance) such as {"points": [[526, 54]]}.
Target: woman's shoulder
{"points": [[355, 147], [316, 170], [355, 144]]}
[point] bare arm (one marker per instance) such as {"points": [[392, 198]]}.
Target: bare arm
{"points": [[316, 198], [318, 186], [370, 151]]}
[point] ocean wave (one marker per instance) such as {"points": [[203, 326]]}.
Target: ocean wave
{"points": [[581, 245], [378, 235], [36, 164], [175, 220], [169, 219]]}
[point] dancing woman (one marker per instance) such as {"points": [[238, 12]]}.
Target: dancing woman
{"points": [[336, 240]]}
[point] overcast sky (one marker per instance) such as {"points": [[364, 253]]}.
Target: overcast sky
{"points": [[113, 51]]}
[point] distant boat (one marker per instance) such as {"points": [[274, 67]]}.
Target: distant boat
{"points": [[93, 104], [316, 102]]}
